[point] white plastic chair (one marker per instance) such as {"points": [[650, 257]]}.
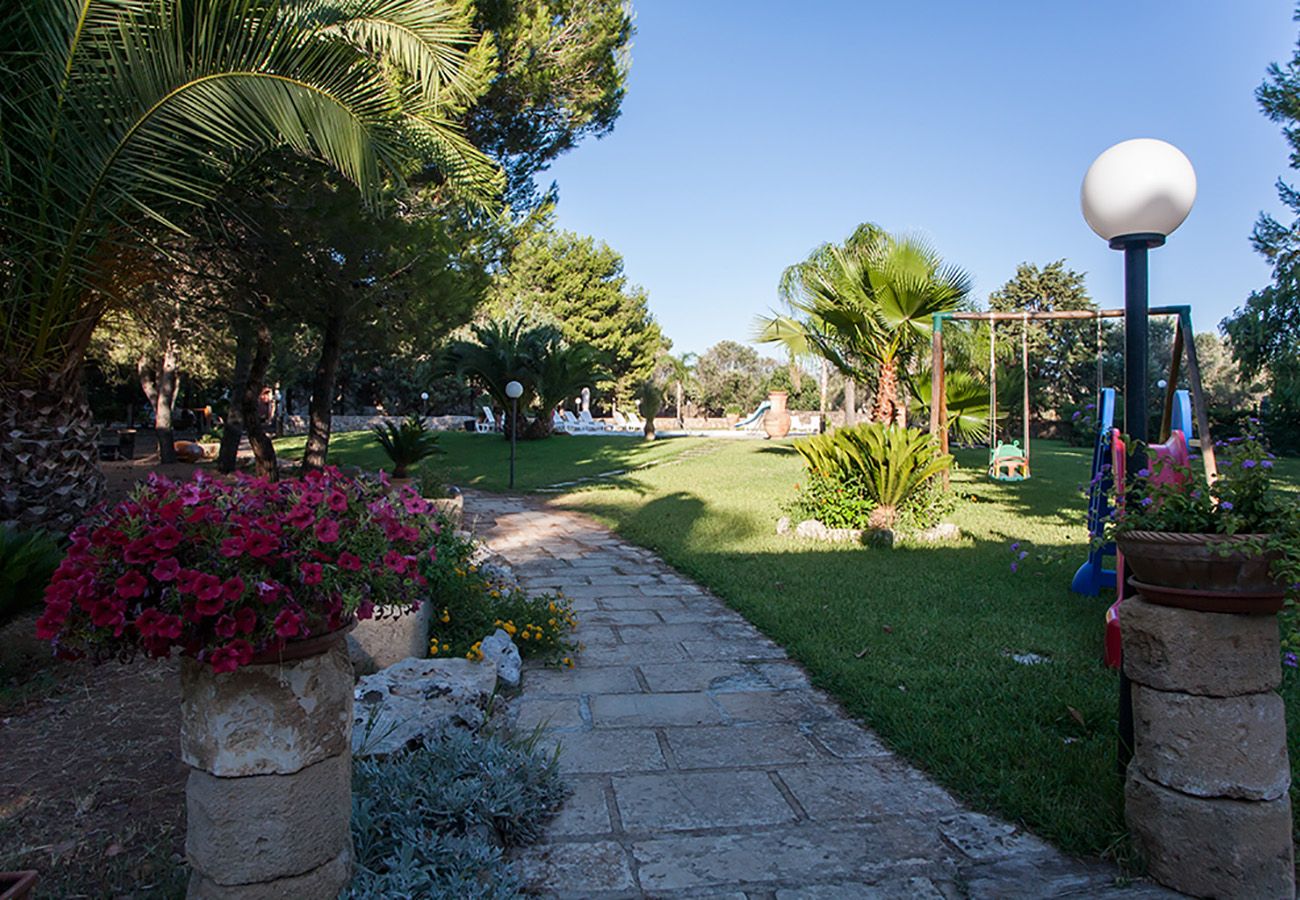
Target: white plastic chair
{"points": [[635, 422], [489, 423], [558, 424], [620, 420], [572, 424], [591, 424]]}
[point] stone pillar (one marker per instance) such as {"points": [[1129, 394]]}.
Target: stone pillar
{"points": [[1206, 797], [394, 634], [269, 796]]}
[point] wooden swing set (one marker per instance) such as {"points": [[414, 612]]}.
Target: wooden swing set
{"points": [[1010, 462]]}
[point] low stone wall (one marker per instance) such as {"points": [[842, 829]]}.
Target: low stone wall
{"points": [[341, 424]]}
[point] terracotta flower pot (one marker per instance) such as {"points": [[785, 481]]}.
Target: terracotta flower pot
{"points": [[777, 421], [269, 794], [1208, 572]]}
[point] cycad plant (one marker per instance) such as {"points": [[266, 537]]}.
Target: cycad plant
{"points": [[406, 444], [121, 118], [892, 463]]}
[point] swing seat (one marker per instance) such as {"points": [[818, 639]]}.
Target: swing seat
{"points": [[1007, 462]]}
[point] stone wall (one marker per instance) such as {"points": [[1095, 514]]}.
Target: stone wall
{"points": [[341, 424]]}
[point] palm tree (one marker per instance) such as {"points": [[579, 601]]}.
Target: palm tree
{"points": [[121, 118], [867, 307]]}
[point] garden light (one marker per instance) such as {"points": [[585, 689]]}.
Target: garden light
{"points": [[514, 390], [1134, 195]]}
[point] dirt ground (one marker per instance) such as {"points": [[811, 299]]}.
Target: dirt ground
{"points": [[91, 782]]}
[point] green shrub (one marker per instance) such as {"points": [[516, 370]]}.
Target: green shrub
{"points": [[434, 822], [27, 560], [886, 467], [835, 501], [469, 605], [406, 444]]}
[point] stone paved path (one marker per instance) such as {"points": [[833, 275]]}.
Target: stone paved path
{"points": [[705, 765]]}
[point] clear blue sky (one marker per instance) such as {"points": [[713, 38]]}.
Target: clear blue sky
{"points": [[753, 131]]}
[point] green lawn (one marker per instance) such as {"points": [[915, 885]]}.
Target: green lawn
{"points": [[918, 641]]}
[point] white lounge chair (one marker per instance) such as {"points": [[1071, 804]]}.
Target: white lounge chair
{"points": [[558, 424], [620, 420], [635, 422], [572, 425], [488, 424], [591, 424]]}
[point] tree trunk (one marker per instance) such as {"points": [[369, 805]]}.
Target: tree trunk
{"points": [[254, 419], [233, 430], [850, 403], [825, 386], [886, 404], [320, 410], [49, 458], [161, 382]]}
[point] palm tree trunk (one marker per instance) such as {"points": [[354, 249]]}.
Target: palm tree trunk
{"points": [[886, 393], [49, 467], [254, 421], [320, 409], [233, 430], [850, 403]]}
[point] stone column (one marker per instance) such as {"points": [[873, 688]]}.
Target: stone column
{"points": [[269, 796], [1206, 797]]}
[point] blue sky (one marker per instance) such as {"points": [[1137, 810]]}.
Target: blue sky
{"points": [[753, 131]]}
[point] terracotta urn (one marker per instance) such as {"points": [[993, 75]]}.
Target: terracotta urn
{"points": [[269, 795], [777, 420]]}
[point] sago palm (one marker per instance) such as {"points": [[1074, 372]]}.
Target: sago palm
{"points": [[122, 117]]}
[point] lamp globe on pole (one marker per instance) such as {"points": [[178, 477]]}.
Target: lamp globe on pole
{"points": [[514, 390], [1134, 195]]}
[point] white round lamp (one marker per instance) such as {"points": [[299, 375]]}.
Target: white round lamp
{"points": [[1141, 189], [514, 390]]}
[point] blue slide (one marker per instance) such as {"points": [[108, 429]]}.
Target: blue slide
{"points": [[755, 415]]}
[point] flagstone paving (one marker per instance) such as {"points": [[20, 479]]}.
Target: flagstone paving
{"points": [[704, 764]]}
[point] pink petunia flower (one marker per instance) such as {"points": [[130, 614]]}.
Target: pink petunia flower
{"points": [[166, 569], [131, 585], [327, 531]]}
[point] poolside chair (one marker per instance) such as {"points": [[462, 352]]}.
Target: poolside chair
{"points": [[572, 425], [489, 423], [558, 425], [620, 420], [635, 422], [591, 424]]}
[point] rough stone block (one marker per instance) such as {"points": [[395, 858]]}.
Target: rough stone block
{"points": [[263, 827], [323, 881], [1212, 746], [276, 718], [1211, 654], [390, 637], [418, 700], [1211, 848]]}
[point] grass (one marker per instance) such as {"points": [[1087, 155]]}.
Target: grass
{"points": [[918, 642]]}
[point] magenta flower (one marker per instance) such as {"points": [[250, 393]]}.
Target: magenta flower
{"points": [[131, 585], [166, 569], [327, 531]]}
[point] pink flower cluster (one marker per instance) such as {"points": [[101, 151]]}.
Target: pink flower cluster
{"points": [[225, 571]]}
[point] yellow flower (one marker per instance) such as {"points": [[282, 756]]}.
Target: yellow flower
{"points": [[446, 647], [568, 661], [446, 616]]}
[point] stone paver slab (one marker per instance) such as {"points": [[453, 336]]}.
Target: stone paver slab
{"points": [[865, 790], [632, 654], [773, 706], [577, 869], [585, 812], [653, 710], [609, 750], [679, 801], [848, 740], [902, 888], [628, 617], [737, 650], [701, 676], [551, 714], [594, 680], [768, 744]]}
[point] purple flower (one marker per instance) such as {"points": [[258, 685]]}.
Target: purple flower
{"points": [[1289, 659], [1014, 567], [1248, 463], [1144, 473], [1023, 554], [1226, 504], [1146, 501], [1267, 464], [1015, 546]]}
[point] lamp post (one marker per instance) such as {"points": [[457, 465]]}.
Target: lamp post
{"points": [[1134, 195], [424, 403], [514, 390]]}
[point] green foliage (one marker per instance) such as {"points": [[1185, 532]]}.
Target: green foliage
{"points": [[730, 376], [550, 369], [868, 306], [649, 400], [1265, 332], [406, 444], [579, 284], [562, 69], [968, 404], [887, 464], [119, 118], [836, 499], [418, 818], [27, 560], [471, 602]]}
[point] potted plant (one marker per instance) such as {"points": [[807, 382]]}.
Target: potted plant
{"points": [[406, 444], [253, 584], [1232, 546]]}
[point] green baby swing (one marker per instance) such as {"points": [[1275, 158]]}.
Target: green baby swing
{"points": [[1008, 462]]}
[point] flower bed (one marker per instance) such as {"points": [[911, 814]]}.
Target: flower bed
{"points": [[230, 571]]}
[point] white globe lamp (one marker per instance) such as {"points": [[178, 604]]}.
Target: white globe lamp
{"points": [[514, 390], [1143, 188]]}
